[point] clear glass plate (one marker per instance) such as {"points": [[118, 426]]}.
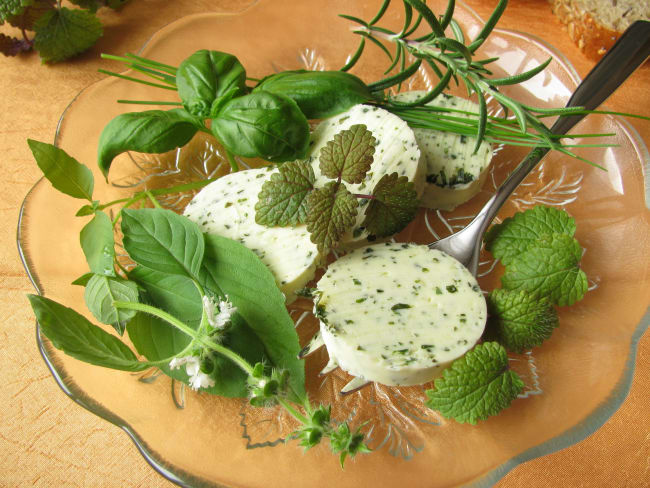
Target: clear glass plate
{"points": [[574, 382]]}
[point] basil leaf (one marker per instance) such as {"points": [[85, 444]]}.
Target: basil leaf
{"points": [[156, 340], [77, 337], [251, 287], [98, 244], [207, 76], [102, 291], [64, 172], [175, 294], [262, 125], [319, 94], [163, 241], [151, 131], [83, 279]]}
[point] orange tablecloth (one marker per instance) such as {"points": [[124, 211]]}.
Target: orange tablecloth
{"points": [[47, 440]]}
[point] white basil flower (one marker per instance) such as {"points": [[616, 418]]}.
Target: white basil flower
{"points": [[198, 379], [219, 314]]}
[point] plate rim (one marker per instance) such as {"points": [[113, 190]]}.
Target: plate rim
{"points": [[180, 477]]}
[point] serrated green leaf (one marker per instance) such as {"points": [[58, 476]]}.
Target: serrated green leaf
{"points": [[519, 321], [549, 268], [63, 33], [102, 291], [163, 241], [12, 8], [332, 211], [349, 155], [98, 244], [232, 269], [476, 386], [31, 14], [513, 236], [394, 205], [64, 172], [281, 200], [77, 337], [206, 76], [151, 131], [12, 46]]}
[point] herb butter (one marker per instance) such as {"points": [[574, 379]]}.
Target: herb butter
{"points": [[226, 207], [398, 314], [454, 173]]}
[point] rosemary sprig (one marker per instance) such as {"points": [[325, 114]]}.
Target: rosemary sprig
{"points": [[454, 58]]}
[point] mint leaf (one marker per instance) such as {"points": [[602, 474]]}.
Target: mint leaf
{"points": [[98, 244], [232, 269], [64, 172], [549, 268], [83, 279], [31, 14], [11, 8], [102, 291], [77, 337], [394, 204], [163, 241], [63, 33], [519, 321], [11, 46], [349, 155], [476, 386], [332, 211], [281, 200], [516, 233]]}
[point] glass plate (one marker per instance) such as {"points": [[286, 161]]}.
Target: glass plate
{"points": [[574, 382]]}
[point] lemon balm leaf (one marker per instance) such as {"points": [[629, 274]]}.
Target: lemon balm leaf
{"points": [[393, 205], [549, 268], [65, 173], [476, 386], [513, 236], [332, 212], [519, 321], [349, 155], [282, 199], [63, 33]]}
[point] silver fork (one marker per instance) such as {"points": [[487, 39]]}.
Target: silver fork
{"points": [[629, 52]]}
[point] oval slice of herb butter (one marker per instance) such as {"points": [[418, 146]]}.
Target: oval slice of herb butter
{"points": [[226, 207], [396, 151], [398, 314], [454, 174]]}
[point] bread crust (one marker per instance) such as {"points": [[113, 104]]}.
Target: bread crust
{"points": [[593, 38]]}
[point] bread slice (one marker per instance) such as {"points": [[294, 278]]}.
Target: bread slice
{"points": [[595, 25]]}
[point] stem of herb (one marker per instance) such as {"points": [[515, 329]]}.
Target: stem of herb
{"points": [[149, 102], [233, 163], [218, 348], [294, 413], [137, 80]]}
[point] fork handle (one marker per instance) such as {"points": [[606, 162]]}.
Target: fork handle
{"points": [[629, 52]]}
